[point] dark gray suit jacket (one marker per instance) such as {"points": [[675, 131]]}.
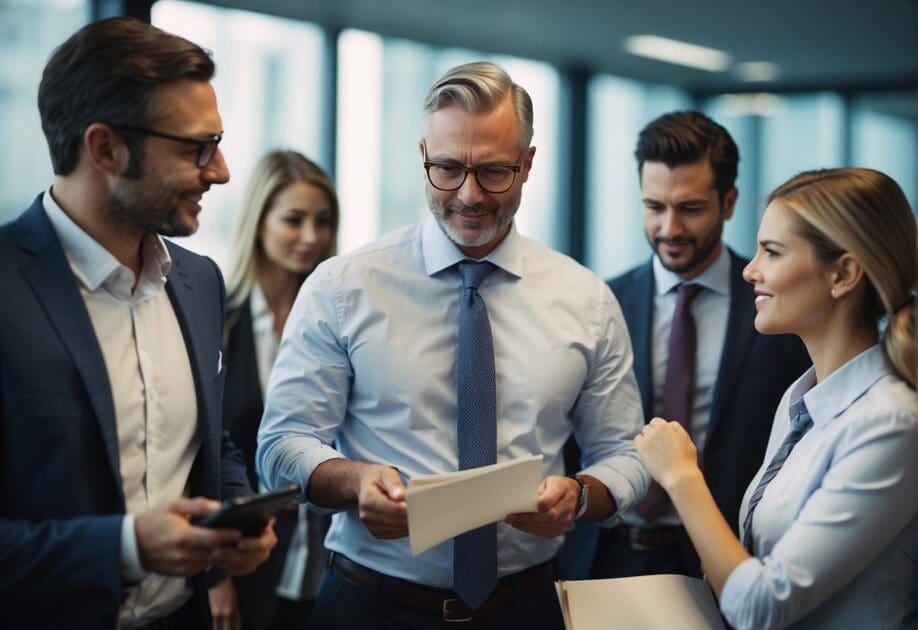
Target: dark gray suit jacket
{"points": [[61, 498]]}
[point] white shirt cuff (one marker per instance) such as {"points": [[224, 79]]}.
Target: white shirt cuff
{"points": [[131, 570]]}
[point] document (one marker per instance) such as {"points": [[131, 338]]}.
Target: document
{"points": [[649, 602], [446, 505]]}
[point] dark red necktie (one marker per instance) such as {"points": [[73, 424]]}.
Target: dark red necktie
{"points": [[679, 387]]}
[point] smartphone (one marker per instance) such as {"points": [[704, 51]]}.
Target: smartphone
{"points": [[249, 514]]}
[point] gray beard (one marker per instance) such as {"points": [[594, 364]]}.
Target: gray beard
{"points": [[501, 221]]}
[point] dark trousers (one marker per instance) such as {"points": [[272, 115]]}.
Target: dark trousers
{"points": [[619, 553], [345, 605]]}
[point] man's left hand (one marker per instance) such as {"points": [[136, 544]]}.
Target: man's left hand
{"points": [[557, 502], [246, 554]]}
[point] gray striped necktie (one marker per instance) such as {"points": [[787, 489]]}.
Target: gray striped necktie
{"points": [[799, 426]]}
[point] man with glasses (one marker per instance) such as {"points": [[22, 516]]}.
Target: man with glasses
{"points": [[443, 346], [110, 365]]}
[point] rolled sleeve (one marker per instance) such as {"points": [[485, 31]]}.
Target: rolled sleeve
{"points": [[307, 394], [608, 412]]}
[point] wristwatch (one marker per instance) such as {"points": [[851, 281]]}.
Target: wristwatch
{"points": [[583, 498]]}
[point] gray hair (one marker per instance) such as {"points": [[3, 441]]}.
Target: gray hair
{"points": [[478, 88]]}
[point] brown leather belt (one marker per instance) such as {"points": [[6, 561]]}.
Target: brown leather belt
{"points": [[440, 601], [647, 538]]}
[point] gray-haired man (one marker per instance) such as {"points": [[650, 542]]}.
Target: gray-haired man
{"points": [[439, 342]]}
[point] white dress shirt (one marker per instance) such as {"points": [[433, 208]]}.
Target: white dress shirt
{"points": [[152, 389], [835, 531], [294, 583], [710, 309], [368, 363]]}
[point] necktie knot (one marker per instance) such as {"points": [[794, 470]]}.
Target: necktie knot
{"points": [[801, 421], [474, 272], [687, 293]]}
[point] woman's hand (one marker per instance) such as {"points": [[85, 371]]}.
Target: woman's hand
{"points": [[224, 606], [668, 453]]}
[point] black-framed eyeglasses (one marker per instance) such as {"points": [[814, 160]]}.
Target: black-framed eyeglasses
{"points": [[207, 146], [493, 178]]}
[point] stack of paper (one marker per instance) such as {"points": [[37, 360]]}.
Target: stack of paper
{"points": [[443, 506], [650, 602]]}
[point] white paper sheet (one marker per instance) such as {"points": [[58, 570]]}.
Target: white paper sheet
{"points": [[650, 602], [446, 505]]}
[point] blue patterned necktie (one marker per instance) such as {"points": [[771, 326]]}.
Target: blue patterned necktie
{"points": [[799, 426], [678, 388], [475, 552]]}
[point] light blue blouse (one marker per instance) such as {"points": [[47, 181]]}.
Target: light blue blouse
{"points": [[835, 532]]}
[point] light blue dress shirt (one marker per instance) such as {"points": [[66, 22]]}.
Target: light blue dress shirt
{"points": [[835, 531], [366, 371]]}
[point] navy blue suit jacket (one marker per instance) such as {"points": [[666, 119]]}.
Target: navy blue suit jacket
{"points": [[61, 498], [754, 372]]}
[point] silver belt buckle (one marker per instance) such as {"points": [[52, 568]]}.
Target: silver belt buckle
{"points": [[448, 613]]}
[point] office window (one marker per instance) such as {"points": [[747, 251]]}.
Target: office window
{"points": [[745, 128], [617, 110], [381, 87], [884, 137], [806, 131], [29, 32], [268, 81]]}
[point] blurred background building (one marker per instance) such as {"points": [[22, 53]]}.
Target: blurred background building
{"points": [[799, 83]]}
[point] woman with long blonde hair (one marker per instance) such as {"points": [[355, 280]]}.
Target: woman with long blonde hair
{"points": [[828, 525], [286, 225]]}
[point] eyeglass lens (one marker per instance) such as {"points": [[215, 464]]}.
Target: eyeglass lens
{"points": [[493, 179]]}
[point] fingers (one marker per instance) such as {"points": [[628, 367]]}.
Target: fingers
{"points": [[557, 502], [391, 484], [224, 606], [381, 503], [552, 490], [198, 506], [168, 543], [246, 554]]}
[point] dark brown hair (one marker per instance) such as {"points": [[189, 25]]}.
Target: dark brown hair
{"points": [[105, 72], [680, 138]]}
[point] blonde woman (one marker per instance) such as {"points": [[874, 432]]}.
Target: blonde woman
{"points": [[286, 226], [828, 525]]}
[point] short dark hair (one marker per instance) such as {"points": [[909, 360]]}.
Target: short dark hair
{"points": [[680, 138], [106, 72]]}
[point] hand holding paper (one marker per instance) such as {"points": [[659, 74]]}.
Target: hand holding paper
{"points": [[555, 511], [443, 506]]}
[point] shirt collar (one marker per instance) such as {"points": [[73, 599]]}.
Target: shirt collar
{"points": [[441, 253], [715, 278], [262, 316], [830, 398], [94, 265]]}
